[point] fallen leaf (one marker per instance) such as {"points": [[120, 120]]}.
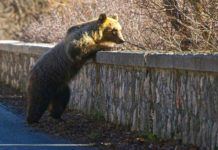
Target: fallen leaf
{"points": [[140, 139]]}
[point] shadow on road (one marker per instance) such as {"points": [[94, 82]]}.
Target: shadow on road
{"points": [[15, 134]]}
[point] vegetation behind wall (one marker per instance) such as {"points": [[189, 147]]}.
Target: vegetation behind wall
{"points": [[179, 25]]}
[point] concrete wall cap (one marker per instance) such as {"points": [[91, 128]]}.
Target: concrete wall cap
{"points": [[155, 59], [26, 48]]}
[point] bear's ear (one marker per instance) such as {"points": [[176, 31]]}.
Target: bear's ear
{"points": [[115, 17], [102, 18]]}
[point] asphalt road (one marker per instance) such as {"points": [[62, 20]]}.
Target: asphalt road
{"points": [[15, 134]]}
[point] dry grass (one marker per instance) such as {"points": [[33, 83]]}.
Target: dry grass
{"points": [[16, 14], [148, 24], [183, 24], [53, 27]]}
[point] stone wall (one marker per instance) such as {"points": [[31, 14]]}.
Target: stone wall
{"points": [[169, 95], [16, 60]]}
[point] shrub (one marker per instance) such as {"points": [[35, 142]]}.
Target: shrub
{"points": [[147, 24]]}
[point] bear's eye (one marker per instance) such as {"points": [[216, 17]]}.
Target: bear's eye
{"points": [[114, 31]]}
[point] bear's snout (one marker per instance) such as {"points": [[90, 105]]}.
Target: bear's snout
{"points": [[121, 41], [120, 38]]}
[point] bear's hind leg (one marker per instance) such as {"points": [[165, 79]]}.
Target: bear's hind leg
{"points": [[59, 103], [38, 100], [35, 109]]}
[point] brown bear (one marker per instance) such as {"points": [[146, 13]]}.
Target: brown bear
{"points": [[48, 79]]}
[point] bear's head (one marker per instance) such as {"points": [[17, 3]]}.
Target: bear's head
{"points": [[110, 29]]}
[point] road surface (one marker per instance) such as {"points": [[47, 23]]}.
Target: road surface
{"points": [[16, 135]]}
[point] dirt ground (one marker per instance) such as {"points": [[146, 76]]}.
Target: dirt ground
{"points": [[80, 128]]}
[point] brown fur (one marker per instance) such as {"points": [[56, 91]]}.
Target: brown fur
{"points": [[48, 80]]}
